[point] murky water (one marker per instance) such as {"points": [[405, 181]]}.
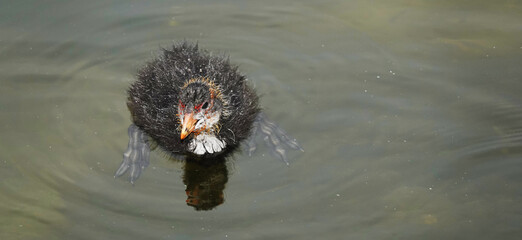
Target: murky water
{"points": [[410, 114]]}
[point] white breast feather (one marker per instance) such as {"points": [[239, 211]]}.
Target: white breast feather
{"points": [[206, 143]]}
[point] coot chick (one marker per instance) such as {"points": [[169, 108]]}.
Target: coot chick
{"points": [[192, 103]]}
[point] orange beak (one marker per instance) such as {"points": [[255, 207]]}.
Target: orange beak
{"points": [[188, 125]]}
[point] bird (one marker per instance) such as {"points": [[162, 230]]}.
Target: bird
{"points": [[192, 103]]}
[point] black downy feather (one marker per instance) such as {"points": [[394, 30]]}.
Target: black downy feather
{"points": [[153, 99]]}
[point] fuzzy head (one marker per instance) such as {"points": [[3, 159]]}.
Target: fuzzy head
{"points": [[200, 107]]}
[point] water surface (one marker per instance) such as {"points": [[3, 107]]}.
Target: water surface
{"points": [[410, 114]]}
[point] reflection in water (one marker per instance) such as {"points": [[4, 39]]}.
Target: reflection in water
{"points": [[205, 182], [204, 178]]}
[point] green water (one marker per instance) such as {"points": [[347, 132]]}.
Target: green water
{"points": [[409, 111]]}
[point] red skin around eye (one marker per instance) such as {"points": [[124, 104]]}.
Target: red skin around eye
{"points": [[198, 107]]}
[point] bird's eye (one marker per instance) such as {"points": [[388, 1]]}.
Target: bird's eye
{"points": [[205, 105]]}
